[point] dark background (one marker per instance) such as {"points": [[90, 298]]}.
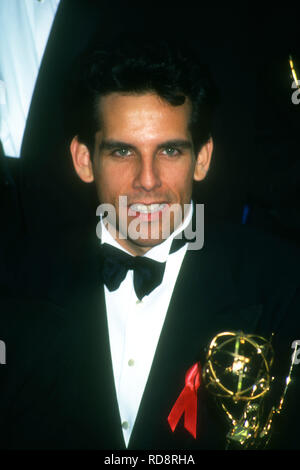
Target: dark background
{"points": [[255, 172]]}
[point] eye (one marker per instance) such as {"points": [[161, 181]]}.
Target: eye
{"points": [[171, 151], [122, 152]]}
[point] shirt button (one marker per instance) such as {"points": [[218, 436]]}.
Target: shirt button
{"points": [[125, 425], [131, 362]]}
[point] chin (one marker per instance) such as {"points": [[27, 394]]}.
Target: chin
{"points": [[141, 245], [148, 242]]}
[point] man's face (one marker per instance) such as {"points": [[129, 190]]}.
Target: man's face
{"points": [[144, 151]]}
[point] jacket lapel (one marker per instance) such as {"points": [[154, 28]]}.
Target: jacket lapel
{"points": [[97, 371], [99, 425]]}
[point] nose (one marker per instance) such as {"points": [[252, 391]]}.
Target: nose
{"points": [[147, 175]]}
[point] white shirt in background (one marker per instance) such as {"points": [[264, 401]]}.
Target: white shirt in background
{"points": [[24, 30]]}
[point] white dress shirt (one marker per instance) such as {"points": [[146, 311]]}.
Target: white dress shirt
{"points": [[135, 326], [24, 27]]}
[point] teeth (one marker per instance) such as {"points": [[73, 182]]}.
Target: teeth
{"points": [[146, 209]]}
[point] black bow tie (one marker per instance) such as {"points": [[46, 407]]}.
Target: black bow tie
{"points": [[148, 273]]}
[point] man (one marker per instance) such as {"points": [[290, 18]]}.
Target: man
{"points": [[143, 150], [130, 345]]}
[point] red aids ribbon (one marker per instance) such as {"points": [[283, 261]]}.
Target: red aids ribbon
{"points": [[187, 401]]}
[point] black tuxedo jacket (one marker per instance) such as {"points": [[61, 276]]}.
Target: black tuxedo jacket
{"points": [[238, 281]]}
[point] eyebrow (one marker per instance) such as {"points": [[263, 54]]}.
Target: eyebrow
{"points": [[113, 144]]}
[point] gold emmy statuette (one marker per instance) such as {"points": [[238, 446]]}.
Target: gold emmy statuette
{"points": [[238, 373]]}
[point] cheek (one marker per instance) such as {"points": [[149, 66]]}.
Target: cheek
{"points": [[103, 187], [108, 183], [181, 181]]}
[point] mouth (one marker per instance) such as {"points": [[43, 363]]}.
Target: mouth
{"points": [[147, 212]]}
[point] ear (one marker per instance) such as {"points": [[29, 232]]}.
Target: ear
{"points": [[203, 160], [82, 160]]}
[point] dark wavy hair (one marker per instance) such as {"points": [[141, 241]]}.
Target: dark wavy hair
{"points": [[139, 65]]}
